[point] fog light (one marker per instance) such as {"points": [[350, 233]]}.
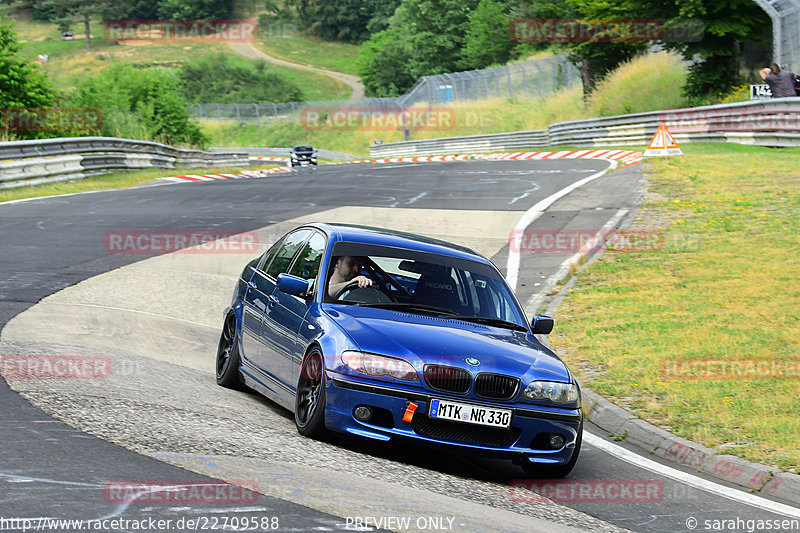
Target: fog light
{"points": [[362, 413], [556, 441]]}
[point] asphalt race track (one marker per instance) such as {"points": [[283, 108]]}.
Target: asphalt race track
{"points": [[159, 417]]}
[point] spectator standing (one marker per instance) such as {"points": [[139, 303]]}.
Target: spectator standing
{"points": [[781, 82]]}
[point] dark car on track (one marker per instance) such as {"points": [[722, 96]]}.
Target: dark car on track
{"points": [[303, 154], [434, 348]]}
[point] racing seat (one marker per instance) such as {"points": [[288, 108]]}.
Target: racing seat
{"points": [[437, 287]]}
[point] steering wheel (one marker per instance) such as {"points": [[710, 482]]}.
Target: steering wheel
{"points": [[364, 295]]}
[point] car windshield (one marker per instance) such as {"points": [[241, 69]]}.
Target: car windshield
{"points": [[424, 283], [303, 149]]}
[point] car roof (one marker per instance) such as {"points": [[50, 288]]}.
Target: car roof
{"points": [[396, 239]]}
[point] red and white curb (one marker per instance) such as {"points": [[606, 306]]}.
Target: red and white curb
{"points": [[629, 157], [625, 156], [418, 159], [219, 177], [269, 158]]}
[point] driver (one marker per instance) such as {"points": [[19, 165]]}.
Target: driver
{"points": [[347, 271]]}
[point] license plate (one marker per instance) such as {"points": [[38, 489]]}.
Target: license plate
{"points": [[470, 414]]}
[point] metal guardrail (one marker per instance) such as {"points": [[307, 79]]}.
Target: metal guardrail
{"points": [[773, 122], [283, 152], [42, 161]]}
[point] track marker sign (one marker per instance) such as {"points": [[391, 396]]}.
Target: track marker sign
{"points": [[662, 143]]}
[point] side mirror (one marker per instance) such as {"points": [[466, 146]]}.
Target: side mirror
{"points": [[292, 284], [542, 325]]}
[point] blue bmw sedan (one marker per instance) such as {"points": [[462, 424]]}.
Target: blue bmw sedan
{"points": [[387, 335]]}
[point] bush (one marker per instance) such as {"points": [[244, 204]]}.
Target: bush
{"points": [[221, 80], [139, 104]]}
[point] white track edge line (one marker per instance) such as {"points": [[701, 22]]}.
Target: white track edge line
{"points": [[689, 479]]}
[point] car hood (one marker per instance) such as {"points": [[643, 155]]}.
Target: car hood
{"points": [[423, 339]]}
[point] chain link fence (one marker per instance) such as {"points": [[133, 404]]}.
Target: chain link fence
{"points": [[536, 78]]}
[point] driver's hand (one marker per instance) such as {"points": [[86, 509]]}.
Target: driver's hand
{"points": [[363, 281]]}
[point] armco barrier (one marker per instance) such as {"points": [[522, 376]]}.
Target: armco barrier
{"points": [[766, 123], [46, 160]]}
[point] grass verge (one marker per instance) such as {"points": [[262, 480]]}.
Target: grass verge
{"points": [[702, 336], [117, 180]]}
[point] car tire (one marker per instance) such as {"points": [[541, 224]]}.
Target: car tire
{"points": [[540, 471], [227, 363], [309, 407]]}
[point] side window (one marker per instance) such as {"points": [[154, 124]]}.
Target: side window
{"points": [[307, 263], [290, 245], [270, 255]]}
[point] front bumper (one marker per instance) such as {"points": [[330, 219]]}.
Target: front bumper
{"points": [[525, 440]]}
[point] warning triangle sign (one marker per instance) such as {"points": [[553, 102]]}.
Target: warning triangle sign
{"points": [[662, 143]]}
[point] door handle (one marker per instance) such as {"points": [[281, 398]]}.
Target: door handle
{"points": [[251, 285], [272, 300]]}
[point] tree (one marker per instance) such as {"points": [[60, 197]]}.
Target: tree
{"points": [[67, 12], [725, 24], [383, 64], [488, 41], [195, 9], [21, 84], [595, 57], [435, 32], [349, 20]]}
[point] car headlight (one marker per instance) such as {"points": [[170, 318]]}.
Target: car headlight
{"points": [[564, 393], [380, 366]]}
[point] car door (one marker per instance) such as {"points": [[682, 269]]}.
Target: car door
{"points": [[255, 300], [284, 322], [261, 302]]}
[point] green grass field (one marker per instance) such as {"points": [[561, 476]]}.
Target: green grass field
{"points": [[69, 62], [291, 45], [654, 330]]}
